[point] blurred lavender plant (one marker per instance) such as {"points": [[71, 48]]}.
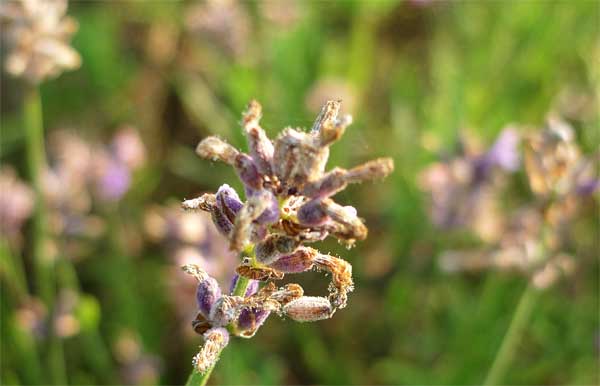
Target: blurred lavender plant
{"points": [[226, 23], [532, 239], [463, 189], [137, 366], [288, 205], [16, 205], [81, 173], [37, 33], [283, 14]]}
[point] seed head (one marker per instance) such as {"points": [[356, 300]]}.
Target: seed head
{"points": [[308, 309]]}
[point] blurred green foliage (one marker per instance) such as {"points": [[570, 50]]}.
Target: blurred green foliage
{"points": [[420, 71]]}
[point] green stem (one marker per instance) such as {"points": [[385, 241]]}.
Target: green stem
{"points": [[26, 352], [36, 160], [43, 264], [511, 340], [196, 378], [13, 274], [56, 361], [95, 350], [241, 286]]}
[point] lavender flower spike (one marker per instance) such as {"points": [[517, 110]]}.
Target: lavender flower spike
{"points": [[287, 205]]}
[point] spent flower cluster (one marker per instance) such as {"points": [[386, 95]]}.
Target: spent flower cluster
{"points": [[533, 239], [463, 189], [288, 206], [38, 33]]}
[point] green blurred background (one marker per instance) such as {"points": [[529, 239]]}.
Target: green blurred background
{"points": [[412, 73]]}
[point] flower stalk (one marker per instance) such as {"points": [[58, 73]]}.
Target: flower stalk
{"points": [[513, 335], [36, 155]]}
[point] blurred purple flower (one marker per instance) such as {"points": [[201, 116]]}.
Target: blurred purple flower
{"points": [[128, 148], [505, 151], [114, 181], [16, 203], [115, 165], [225, 23], [588, 187], [461, 189]]}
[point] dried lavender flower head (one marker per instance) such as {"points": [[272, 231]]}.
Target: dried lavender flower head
{"points": [[37, 33], [287, 178], [554, 162], [288, 204], [535, 238]]}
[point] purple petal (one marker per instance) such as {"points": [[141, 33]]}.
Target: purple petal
{"points": [[248, 172], [115, 181], [207, 293], [271, 214], [588, 187], [221, 221], [312, 214], [504, 152], [228, 202], [251, 319], [299, 261]]}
